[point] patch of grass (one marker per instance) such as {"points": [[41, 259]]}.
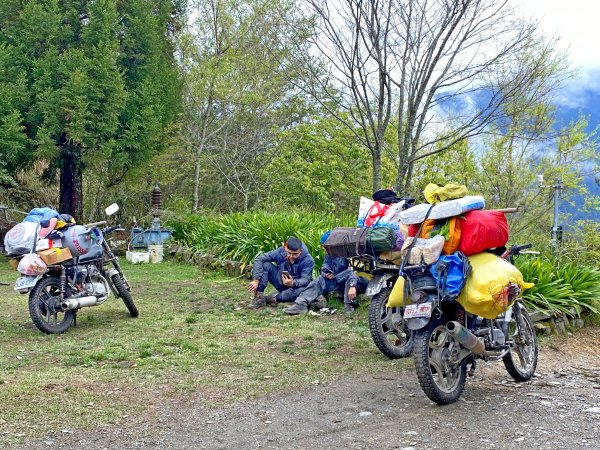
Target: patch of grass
{"points": [[194, 335]]}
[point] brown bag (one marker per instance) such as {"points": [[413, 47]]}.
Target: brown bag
{"points": [[345, 242]]}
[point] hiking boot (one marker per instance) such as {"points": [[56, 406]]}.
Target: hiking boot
{"points": [[271, 300], [298, 308], [258, 301], [349, 309], [319, 303]]}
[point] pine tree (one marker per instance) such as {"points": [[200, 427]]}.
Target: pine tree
{"points": [[87, 79]]}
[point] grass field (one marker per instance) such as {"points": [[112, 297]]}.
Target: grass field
{"points": [[194, 335]]}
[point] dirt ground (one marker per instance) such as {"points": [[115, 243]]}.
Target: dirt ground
{"points": [[558, 409]]}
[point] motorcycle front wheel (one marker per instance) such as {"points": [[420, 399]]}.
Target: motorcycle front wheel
{"points": [[387, 327], [125, 295], [44, 307], [435, 352], [521, 361]]}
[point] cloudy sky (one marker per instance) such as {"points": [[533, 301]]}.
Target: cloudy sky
{"points": [[576, 23]]}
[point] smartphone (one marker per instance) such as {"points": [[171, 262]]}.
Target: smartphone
{"points": [[286, 273]]}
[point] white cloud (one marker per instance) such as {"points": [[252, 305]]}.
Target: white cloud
{"points": [[574, 21]]}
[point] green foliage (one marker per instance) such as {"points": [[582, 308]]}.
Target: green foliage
{"points": [[240, 73], [582, 243], [320, 165], [98, 77], [243, 236], [560, 289]]}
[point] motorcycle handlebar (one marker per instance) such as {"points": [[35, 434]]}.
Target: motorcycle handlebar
{"points": [[111, 229], [516, 249]]}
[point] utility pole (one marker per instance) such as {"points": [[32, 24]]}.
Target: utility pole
{"points": [[556, 228]]}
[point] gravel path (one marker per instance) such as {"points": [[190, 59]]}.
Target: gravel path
{"points": [[558, 409]]}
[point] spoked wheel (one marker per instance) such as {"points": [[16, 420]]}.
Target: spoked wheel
{"points": [[45, 310], [440, 375], [521, 361], [124, 294], [388, 329]]}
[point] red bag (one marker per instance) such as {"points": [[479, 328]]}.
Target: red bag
{"points": [[482, 230]]}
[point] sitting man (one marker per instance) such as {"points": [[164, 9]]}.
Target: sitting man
{"points": [[335, 276], [288, 268]]}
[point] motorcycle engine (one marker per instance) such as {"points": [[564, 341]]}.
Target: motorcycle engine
{"points": [[499, 337], [94, 283], [95, 288]]}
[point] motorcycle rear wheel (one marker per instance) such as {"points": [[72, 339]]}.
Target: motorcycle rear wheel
{"points": [[392, 341], [44, 307], [441, 380], [521, 361], [125, 295]]}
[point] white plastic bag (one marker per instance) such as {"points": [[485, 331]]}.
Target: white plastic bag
{"points": [[32, 264], [21, 238], [426, 251], [375, 214]]}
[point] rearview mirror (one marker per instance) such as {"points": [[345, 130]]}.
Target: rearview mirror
{"points": [[110, 210]]}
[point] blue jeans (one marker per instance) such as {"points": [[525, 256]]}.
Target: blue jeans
{"points": [[272, 274]]}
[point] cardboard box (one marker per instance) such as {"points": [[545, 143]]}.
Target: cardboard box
{"points": [[55, 255], [13, 263]]}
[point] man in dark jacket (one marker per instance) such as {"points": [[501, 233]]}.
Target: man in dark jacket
{"points": [[336, 275], [288, 268]]}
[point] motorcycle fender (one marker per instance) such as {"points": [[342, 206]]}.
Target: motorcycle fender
{"points": [[111, 272], [377, 283], [416, 323], [109, 275]]}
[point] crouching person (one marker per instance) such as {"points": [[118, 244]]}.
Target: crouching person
{"points": [[335, 276], [288, 268]]}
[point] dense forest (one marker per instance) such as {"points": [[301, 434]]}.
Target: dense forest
{"points": [[278, 105]]}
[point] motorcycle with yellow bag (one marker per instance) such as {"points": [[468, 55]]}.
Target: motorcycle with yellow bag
{"points": [[465, 309]]}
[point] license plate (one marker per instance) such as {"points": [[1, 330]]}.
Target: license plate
{"points": [[26, 282], [419, 310]]}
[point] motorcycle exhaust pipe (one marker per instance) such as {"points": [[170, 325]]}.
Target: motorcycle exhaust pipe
{"points": [[73, 303], [465, 337]]}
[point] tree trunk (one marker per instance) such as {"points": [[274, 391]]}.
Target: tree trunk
{"points": [[404, 167], [376, 169], [197, 181], [71, 196]]}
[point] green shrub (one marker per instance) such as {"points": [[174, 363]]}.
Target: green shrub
{"points": [[243, 236], [559, 289]]}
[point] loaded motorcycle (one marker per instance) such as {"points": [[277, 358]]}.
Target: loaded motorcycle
{"points": [[448, 340], [386, 324], [85, 280]]}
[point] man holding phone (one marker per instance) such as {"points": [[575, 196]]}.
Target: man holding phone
{"points": [[336, 275], [288, 268]]}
